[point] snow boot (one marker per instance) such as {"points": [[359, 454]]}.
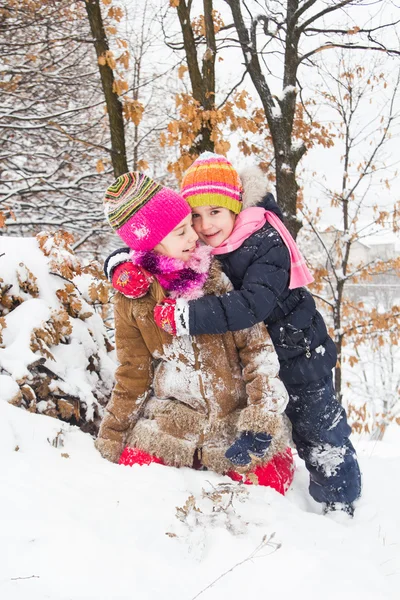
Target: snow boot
{"points": [[346, 507]]}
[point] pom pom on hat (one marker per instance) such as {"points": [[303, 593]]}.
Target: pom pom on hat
{"points": [[141, 211], [212, 181]]}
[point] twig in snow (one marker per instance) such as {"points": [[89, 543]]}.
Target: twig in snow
{"points": [[65, 279], [30, 577], [266, 541]]}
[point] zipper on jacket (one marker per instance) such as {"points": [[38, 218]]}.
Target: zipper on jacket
{"points": [[308, 352]]}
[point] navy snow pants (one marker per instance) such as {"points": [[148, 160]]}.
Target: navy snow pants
{"points": [[321, 435]]}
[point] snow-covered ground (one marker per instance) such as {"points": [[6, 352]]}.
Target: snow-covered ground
{"points": [[74, 526]]}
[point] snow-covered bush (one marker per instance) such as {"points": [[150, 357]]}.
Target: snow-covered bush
{"points": [[55, 357]]}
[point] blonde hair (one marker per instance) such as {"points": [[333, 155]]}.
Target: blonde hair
{"points": [[156, 291]]}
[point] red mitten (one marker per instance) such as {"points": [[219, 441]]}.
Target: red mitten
{"points": [[164, 315], [132, 281]]}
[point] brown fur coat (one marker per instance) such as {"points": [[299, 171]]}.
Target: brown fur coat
{"points": [[174, 396]]}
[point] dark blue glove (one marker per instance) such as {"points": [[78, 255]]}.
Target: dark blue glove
{"points": [[248, 443], [238, 453], [262, 442]]}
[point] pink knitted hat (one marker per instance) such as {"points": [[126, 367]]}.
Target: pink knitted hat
{"points": [[142, 211]]}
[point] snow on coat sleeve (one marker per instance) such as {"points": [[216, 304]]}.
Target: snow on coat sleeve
{"points": [[266, 395], [133, 380], [265, 279]]}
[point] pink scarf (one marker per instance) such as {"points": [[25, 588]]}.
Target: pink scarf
{"points": [[180, 279], [251, 220]]}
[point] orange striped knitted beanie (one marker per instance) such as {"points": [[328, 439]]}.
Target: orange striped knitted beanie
{"points": [[212, 181]]}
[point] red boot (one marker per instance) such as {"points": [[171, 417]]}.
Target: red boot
{"points": [[278, 473], [134, 456]]}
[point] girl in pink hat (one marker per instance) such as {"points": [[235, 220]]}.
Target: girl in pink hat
{"points": [[212, 402]]}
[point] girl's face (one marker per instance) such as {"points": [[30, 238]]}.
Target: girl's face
{"points": [[180, 242], [213, 224]]}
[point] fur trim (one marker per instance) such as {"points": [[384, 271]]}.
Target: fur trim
{"points": [[258, 419], [175, 452], [217, 282], [109, 449], [255, 418], [278, 446], [152, 437], [218, 439], [213, 457], [255, 186], [175, 418], [280, 440], [220, 436]]}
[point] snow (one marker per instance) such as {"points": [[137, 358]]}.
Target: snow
{"points": [[176, 376], [249, 56], [339, 274], [286, 168], [289, 89], [23, 262], [276, 111], [77, 527], [328, 457], [26, 250], [17, 355], [297, 144], [9, 389], [140, 232]]}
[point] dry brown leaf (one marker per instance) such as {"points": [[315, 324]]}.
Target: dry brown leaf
{"points": [[100, 166]]}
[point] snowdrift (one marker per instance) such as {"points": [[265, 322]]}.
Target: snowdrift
{"points": [[55, 357], [77, 527]]}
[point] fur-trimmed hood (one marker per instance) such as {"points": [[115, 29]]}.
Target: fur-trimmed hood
{"points": [[254, 185], [256, 190]]}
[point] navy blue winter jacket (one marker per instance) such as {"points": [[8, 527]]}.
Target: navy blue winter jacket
{"points": [[259, 272]]}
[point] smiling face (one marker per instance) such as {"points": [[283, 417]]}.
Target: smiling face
{"points": [[180, 242], [213, 224]]}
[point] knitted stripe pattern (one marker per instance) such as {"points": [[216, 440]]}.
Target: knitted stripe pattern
{"points": [[212, 181], [127, 195], [143, 212]]}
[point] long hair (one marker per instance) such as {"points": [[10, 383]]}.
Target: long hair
{"points": [[156, 291]]}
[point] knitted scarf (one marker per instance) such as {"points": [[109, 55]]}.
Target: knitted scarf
{"points": [[251, 220], [181, 279]]}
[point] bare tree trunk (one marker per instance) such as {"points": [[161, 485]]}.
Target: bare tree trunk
{"points": [[279, 113], [114, 105], [208, 74], [337, 321], [203, 83], [135, 95]]}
